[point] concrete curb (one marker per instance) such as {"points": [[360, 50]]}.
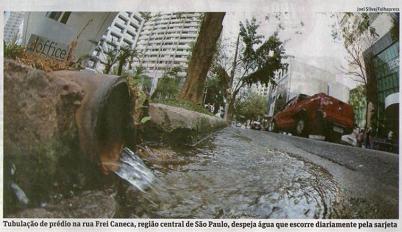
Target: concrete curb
{"points": [[180, 126]]}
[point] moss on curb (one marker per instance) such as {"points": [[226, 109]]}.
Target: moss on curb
{"points": [[184, 104]]}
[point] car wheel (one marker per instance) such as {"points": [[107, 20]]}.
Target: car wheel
{"points": [[334, 137], [301, 127]]}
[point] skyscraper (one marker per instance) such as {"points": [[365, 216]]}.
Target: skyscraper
{"points": [[166, 41], [13, 21], [123, 32]]}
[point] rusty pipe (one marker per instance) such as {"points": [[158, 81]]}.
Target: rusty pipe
{"points": [[102, 116]]}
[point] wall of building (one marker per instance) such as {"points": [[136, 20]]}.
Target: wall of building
{"points": [[301, 78], [338, 91], [82, 27], [13, 21], [383, 76], [123, 32], [165, 42]]}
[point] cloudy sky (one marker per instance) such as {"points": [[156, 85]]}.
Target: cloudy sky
{"points": [[308, 36]]}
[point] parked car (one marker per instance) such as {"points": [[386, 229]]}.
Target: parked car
{"points": [[319, 114], [256, 125]]}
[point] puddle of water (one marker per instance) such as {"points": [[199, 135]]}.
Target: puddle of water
{"points": [[232, 178]]}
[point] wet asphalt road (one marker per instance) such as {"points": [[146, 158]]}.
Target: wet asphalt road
{"points": [[244, 173], [367, 178]]}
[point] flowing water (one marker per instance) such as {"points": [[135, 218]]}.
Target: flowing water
{"points": [[133, 170], [232, 177]]}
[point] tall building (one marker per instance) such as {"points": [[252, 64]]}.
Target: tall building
{"points": [[301, 78], [259, 89], [13, 21], [380, 58], [123, 32], [383, 77], [166, 41], [59, 34]]}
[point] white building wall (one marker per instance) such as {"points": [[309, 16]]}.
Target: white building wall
{"points": [[301, 78], [307, 79], [165, 42], [123, 32], [338, 91], [82, 27], [13, 21]]}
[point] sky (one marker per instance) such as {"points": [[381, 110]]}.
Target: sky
{"points": [[308, 36]]}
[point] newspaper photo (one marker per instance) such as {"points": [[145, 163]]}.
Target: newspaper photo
{"points": [[198, 116]]}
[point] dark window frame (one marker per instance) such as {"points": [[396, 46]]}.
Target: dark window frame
{"points": [[59, 16]]}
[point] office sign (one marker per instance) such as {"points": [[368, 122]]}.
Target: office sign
{"points": [[47, 47]]}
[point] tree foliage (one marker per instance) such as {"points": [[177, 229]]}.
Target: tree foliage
{"points": [[357, 34], [257, 63], [114, 55], [126, 55], [168, 86], [215, 93], [139, 78], [251, 107], [263, 60], [357, 99]]}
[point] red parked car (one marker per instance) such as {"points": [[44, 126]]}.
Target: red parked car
{"points": [[318, 114]]}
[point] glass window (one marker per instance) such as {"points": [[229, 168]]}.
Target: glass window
{"points": [[65, 17], [387, 82], [393, 52], [54, 15], [389, 53]]}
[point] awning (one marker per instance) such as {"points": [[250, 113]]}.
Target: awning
{"points": [[392, 99]]}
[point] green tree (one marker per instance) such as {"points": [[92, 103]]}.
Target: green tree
{"points": [[141, 79], [251, 107], [110, 55], [168, 85], [357, 99], [126, 55], [357, 34], [201, 57], [214, 93], [257, 62], [166, 89]]}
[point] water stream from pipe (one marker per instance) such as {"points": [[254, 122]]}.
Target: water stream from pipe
{"points": [[133, 170]]}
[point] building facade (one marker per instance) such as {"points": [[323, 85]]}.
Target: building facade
{"points": [[301, 78], [13, 22], [379, 68], [166, 41], [123, 32], [382, 60], [64, 34]]}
